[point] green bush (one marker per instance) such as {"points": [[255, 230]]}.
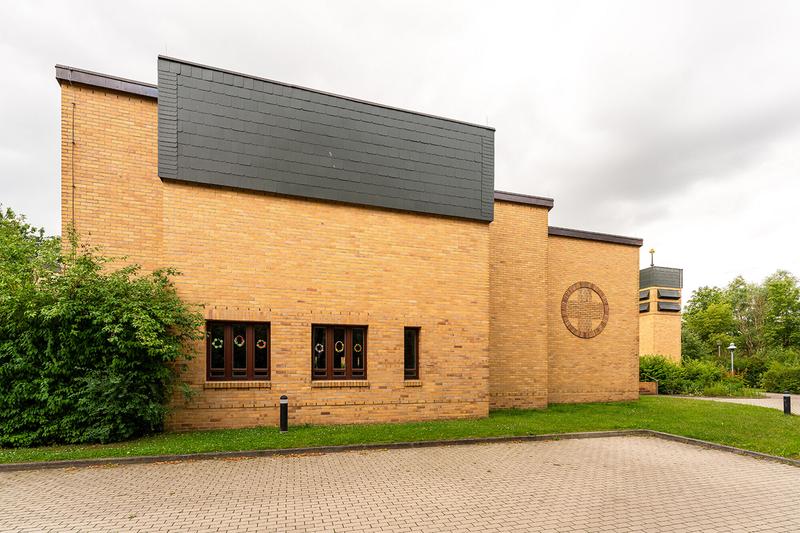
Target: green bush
{"points": [[731, 386], [752, 367], [780, 377], [693, 377], [700, 374], [670, 376], [87, 353]]}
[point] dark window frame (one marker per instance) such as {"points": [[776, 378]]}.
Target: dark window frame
{"points": [[329, 372], [411, 373], [251, 373]]}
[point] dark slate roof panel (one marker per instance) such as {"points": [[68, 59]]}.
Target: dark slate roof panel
{"points": [[234, 130], [657, 276]]}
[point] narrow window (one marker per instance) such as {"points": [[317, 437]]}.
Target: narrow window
{"points": [[338, 352], [411, 351], [237, 350]]}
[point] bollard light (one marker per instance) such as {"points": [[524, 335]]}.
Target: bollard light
{"points": [[732, 348], [787, 403], [284, 413]]}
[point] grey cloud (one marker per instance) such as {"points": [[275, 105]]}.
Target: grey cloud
{"points": [[638, 117]]}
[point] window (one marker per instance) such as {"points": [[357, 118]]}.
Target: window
{"points": [[411, 351], [338, 352], [237, 350]]}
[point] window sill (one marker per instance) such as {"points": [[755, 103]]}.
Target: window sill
{"points": [[333, 384], [237, 385], [412, 383]]}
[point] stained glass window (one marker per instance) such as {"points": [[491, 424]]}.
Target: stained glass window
{"points": [[237, 350], [261, 350], [338, 352], [319, 352], [216, 342]]}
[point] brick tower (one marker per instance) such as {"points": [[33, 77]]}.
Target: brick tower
{"points": [[660, 311]]}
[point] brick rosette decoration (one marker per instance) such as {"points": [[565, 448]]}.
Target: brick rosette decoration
{"points": [[584, 309]]}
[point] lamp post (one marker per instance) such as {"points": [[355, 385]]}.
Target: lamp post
{"points": [[732, 348]]}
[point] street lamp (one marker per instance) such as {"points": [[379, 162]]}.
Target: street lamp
{"points": [[732, 348]]}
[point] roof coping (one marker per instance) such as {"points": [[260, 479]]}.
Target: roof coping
{"points": [[105, 81], [539, 201], [593, 236]]}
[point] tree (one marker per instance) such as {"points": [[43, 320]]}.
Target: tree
{"points": [[713, 324], [763, 319], [87, 353], [692, 346], [748, 303], [782, 320]]}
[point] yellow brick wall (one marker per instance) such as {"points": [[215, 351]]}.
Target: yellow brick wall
{"points": [[117, 193], [660, 332], [296, 262], [292, 262], [518, 306], [605, 367]]}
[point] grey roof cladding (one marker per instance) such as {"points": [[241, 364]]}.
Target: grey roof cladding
{"points": [[224, 128], [657, 276]]}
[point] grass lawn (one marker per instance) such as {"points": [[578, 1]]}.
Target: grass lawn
{"points": [[744, 426]]}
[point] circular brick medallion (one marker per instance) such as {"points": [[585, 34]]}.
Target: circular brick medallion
{"points": [[584, 309]]}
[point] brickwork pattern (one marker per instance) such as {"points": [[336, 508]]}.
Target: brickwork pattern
{"points": [[518, 306], [108, 152], [605, 367], [584, 309], [609, 484], [294, 263]]}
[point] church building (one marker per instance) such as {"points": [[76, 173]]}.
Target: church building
{"points": [[352, 256]]}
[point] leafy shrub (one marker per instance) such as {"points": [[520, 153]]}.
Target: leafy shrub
{"points": [[693, 378], [752, 367], [701, 374], [780, 377], [86, 352], [669, 375], [731, 386], [718, 389]]}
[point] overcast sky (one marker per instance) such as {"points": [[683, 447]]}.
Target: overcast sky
{"points": [[677, 122]]}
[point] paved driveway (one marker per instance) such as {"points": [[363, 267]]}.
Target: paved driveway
{"points": [[604, 484], [771, 400]]}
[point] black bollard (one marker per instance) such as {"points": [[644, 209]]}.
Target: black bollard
{"points": [[284, 413], [787, 404]]}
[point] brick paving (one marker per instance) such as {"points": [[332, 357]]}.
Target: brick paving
{"points": [[606, 484]]}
